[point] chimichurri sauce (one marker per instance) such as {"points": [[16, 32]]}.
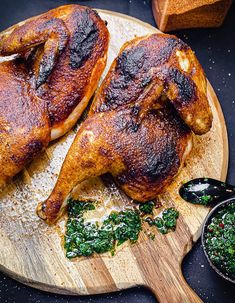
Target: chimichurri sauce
{"points": [[220, 240], [201, 196], [147, 208], [86, 238], [166, 222]]}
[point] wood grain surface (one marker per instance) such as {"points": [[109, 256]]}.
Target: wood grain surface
{"points": [[32, 252], [178, 14]]}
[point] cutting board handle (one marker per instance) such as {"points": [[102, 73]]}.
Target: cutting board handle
{"points": [[161, 269], [176, 290]]}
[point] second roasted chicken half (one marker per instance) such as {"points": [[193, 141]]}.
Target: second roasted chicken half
{"points": [[140, 122], [60, 57]]}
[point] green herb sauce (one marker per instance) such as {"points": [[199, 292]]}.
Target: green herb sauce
{"points": [[220, 240], [85, 238], [203, 200], [165, 223], [147, 208]]}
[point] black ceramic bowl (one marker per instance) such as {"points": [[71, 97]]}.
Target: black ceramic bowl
{"points": [[211, 214]]}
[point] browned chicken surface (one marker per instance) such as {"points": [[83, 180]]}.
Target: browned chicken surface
{"points": [[61, 55], [140, 122]]}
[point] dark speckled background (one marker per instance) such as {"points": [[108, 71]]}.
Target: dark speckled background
{"points": [[215, 49]]}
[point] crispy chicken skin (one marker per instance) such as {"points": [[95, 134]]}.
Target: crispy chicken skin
{"points": [[61, 55], [143, 159], [157, 65], [140, 122], [24, 123]]}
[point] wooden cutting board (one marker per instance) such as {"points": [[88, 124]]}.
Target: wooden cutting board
{"points": [[32, 252]]}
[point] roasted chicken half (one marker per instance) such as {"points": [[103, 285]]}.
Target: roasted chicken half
{"points": [[45, 88], [140, 122]]}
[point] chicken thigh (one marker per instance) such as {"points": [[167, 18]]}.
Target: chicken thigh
{"points": [[140, 122], [44, 89]]}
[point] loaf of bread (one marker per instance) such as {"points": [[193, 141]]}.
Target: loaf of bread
{"points": [[178, 14]]}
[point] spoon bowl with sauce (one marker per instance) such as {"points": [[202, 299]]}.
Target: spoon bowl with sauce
{"points": [[206, 191]]}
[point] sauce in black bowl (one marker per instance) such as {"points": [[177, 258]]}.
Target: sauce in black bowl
{"points": [[218, 239]]}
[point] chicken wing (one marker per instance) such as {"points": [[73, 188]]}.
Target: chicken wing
{"points": [[44, 89], [140, 122], [157, 65]]}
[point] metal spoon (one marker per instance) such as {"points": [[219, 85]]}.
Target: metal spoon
{"points": [[206, 191]]}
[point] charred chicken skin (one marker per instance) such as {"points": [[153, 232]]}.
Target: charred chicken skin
{"points": [[140, 122], [60, 57]]}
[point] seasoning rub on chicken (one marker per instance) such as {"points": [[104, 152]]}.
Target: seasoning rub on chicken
{"points": [[140, 122], [61, 55]]}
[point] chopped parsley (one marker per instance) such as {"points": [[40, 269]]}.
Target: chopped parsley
{"points": [[168, 220], [85, 238], [220, 240], [147, 208]]}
